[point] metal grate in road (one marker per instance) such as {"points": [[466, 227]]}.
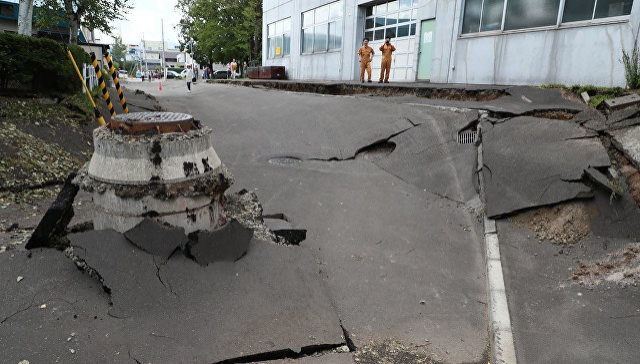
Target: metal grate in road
{"points": [[467, 137]]}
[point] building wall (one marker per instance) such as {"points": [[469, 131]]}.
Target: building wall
{"points": [[569, 54], [584, 54]]}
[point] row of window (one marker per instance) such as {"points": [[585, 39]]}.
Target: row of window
{"points": [[395, 19], [488, 15], [322, 26], [321, 31]]}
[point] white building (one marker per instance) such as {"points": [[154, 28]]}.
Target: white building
{"points": [[527, 42]]}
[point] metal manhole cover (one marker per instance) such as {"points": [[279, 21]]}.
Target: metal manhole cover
{"points": [[467, 137], [159, 122], [285, 161]]}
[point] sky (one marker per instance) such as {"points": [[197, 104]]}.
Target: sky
{"points": [[145, 20]]}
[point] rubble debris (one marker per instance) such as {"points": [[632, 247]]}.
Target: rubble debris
{"points": [[622, 114], [245, 207], [157, 239], [564, 224], [626, 141], [54, 222], [290, 236], [600, 179], [621, 267], [228, 243], [621, 102]]}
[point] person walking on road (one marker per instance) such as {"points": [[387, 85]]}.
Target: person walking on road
{"points": [[387, 49], [365, 56], [234, 67], [190, 78]]}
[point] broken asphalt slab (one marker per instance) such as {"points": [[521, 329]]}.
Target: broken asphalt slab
{"points": [[157, 239], [55, 220], [271, 300], [555, 320], [399, 262], [429, 156], [531, 162], [628, 142], [228, 243]]}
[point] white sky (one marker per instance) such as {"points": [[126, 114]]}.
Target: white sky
{"points": [[145, 20]]}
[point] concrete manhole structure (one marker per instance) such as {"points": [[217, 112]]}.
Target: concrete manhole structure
{"points": [[157, 165]]}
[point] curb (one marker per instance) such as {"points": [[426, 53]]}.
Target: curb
{"points": [[501, 336]]}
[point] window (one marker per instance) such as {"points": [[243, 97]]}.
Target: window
{"points": [[579, 10], [529, 14], [487, 15], [393, 19], [322, 28], [7, 11], [279, 38]]}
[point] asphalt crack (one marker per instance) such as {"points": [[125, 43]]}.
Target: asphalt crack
{"points": [[158, 267]]}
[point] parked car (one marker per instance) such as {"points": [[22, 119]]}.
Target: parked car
{"points": [[122, 74], [183, 74], [219, 74], [172, 74]]}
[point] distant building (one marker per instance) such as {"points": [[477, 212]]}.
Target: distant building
{"points": [[455, 41], [60, 33]]}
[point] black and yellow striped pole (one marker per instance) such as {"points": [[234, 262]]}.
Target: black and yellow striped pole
{"points": [[95, 108], [103, 86], [116, 81]]}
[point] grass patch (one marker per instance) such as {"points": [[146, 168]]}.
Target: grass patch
{"points": [[597, 94]]}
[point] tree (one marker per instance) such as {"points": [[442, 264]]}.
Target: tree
{"points": [[93, 14], [118, 51], [221, 30], [25, 17]]}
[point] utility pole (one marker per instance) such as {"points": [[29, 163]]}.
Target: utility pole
{"points": [[162, 61]]}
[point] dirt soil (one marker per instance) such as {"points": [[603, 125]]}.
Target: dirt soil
{"points": [[564, 224], [621, 267]]}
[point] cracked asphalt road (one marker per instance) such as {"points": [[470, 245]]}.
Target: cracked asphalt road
{"points": [[393, 255]]}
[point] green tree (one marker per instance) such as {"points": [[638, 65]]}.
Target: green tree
{"points": [[118, 51], [220, 30], [93, 14]]}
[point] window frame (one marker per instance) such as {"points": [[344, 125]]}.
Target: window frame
{"points": [[334, 20], [374, 30], [558, 25], [279, 36]]}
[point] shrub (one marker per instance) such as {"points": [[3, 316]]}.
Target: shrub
{"points": [[631, 62], [47, 71]]}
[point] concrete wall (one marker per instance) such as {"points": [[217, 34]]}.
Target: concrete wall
{"points": [[583, 54]]}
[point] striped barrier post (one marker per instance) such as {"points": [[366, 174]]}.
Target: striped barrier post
{"points": [[116, 81], [102, 84], [95, 108]]}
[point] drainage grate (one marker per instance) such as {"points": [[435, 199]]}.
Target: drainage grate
{"points": [[467, 137]]}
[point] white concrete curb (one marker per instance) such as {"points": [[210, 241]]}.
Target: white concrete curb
{"points": [[501, 336]]}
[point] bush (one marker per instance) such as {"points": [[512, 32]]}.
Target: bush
{"points": [[47, 71], [631, 62]]}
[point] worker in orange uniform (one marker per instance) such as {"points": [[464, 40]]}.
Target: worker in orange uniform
{"points": [[387, 48], [365, 56]]}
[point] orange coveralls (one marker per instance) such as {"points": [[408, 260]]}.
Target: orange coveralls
{"points": [[385, 65], [366, 53]]}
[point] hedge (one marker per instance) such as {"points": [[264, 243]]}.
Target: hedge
{"points": [[39, 65]]}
